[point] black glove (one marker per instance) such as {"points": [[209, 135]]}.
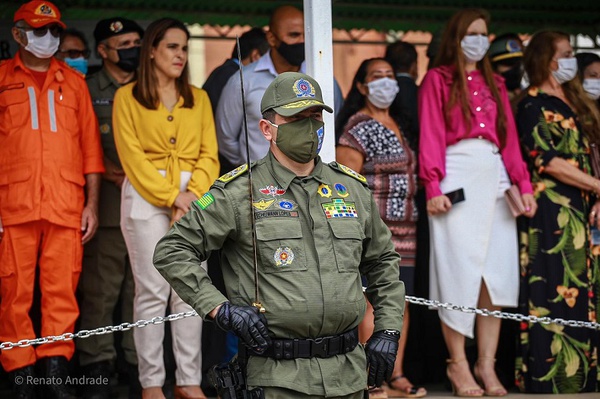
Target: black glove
{"points": [[247, 323], [381, 354]]}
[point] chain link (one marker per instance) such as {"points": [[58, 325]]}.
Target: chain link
{"points": [[416, 300], [503, 315], [97, 331]]}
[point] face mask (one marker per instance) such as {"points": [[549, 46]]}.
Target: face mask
{"points": [[129, 59], [512, 77], [300, 140], [592, 88], [293, 53], [474, 47], [382, 92], [80, 64], [567, 70], [42, 47]]}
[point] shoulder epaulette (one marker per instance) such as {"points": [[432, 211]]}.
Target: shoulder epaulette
{"points": [[230, 176], [346, 170]]}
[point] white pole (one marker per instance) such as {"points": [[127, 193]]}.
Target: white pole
{"points": [[319, 63]]}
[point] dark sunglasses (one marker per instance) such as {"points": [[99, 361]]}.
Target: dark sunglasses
{"points": [[55, 30], [75, 53]]}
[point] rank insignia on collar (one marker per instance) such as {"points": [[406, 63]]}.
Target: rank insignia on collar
{"points": [[324, 191], [284, 256], [263, 204], [338, 208], [287, 205], [352, 173], [233, 174], [205, 200], [341, 190], [272, 190]]}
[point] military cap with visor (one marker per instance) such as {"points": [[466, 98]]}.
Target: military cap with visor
{"points": [[38, 13], [291, 93], [505, 48]]}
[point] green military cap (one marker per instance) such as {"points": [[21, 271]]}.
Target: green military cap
{"points": [[291, 93], [505, 47]]}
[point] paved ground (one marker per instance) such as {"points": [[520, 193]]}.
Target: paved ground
{"points": [[434, 392]]}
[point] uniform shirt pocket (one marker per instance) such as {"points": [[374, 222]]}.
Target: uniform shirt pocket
{"points": [[16, 109], [15, 190], [280, 245], [347, 244]]}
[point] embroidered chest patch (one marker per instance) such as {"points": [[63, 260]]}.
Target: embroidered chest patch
{"points": [[324, 191], [275, 214], [283, 256], [272, 190], [262, 204], [338, 208]]}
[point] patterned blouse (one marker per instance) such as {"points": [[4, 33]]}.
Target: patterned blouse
{"points": [[390, 168]]}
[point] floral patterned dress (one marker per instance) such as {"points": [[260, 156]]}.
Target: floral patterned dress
{"points": [[559, 266], [390, 170]]}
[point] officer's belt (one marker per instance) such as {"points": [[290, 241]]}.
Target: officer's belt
{"points": [[285, 349]]}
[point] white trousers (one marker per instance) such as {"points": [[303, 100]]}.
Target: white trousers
{"points": [[143, 225]]}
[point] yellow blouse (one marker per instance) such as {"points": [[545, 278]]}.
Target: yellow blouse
{"points": [[151, 140]]}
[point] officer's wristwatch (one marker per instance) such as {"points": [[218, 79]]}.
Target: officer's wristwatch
{"points": [[393, 333]]}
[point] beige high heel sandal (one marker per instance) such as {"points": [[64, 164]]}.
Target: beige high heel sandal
{"points": [[468, 392], [497, 390]]}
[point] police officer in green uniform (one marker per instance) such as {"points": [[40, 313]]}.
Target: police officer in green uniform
{"points": [[106, 274], [317, 230]]}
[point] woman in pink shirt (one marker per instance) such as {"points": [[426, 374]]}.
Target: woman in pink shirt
{"points": [[469, 142]]}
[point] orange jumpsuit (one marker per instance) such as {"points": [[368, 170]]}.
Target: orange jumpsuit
{"points": [[49, 141]]}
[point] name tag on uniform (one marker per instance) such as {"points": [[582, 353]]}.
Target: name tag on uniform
{"points": [[102, 101]]}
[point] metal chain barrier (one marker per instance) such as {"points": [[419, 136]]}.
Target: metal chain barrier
{"points": [[416, 300], [503, 315]]}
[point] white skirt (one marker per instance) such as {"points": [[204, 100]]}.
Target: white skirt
{"points": [[477, 239]]}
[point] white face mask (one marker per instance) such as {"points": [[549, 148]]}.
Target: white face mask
{"points": [[474, 47], [567, 70], [592, 88], [382, 92], [42, 47]]}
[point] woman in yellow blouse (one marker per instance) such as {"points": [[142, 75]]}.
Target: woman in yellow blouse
{"points": [[165, 136]]}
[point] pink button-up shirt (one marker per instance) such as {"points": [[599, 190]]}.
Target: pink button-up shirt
{"points": [[436, 135]]}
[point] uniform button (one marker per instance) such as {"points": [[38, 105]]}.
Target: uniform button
{"points": [[170, 118], [287, 345], [478, 109], [475, 93], [288, 356], [172, 140], [482, 125], [278, 344]]}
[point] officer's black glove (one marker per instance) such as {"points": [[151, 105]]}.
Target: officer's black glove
{"points": [[247, 323], [381, 354]]}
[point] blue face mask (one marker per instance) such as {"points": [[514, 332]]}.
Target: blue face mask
{"points": [[80, 64]]}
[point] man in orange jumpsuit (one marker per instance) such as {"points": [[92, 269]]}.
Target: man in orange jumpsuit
{"points": [[50, 166]]}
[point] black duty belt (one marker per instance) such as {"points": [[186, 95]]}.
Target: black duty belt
{"points": [[306, 348]]}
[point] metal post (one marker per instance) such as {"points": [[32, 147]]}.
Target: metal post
{"points": [[319, 63]]}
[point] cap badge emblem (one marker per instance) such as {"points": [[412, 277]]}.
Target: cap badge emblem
{"points": [[116, 26], [303, 88], [45, 9]]}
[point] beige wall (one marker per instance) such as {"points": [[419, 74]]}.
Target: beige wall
{"points": [[208, 53]]}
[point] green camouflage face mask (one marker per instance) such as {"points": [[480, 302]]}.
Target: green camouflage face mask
{"points": [[300, 140]]}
